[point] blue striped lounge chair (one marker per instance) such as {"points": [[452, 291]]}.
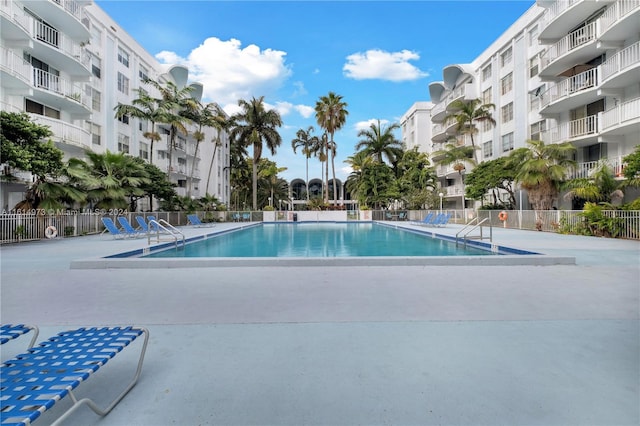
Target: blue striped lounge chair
{"points": [[34, 381], [194, 220]]}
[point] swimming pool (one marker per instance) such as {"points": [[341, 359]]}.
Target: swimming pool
{"points": [[320, 240]]}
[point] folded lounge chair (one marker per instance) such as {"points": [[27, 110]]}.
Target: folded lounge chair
{"points": [[194, 220], [13, 331], [34, 381]]}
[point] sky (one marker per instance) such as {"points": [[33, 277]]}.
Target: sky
{"points": [[380, 56]]}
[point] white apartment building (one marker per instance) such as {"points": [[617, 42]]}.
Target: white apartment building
{"points": [[566, 70], [416, 127], [68, 64]]}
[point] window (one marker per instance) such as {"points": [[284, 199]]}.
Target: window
{"points": [[144, 151], [505, 57], [486, 96], [537, 129], [486, 73], [486, 125], [506, 84], [95, 134], [533, 66], [123, 84], [533, 36], [96, 64], [507, 142], [40, 109], [487, 149], [123, 57], [507, 112], [143, 73], [96, 99], [124, 119], [123, 143]]}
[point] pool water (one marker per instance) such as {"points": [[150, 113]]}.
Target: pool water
{"points": [[320, 240]]}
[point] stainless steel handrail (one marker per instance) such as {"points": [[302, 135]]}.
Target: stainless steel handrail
{"points": [[477, 225]]}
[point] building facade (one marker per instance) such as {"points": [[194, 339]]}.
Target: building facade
{"points": [[566, 70], [68, 65]]}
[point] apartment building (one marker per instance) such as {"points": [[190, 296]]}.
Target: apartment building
{"points": [[68, 65], [566, 70], [416, 127]]}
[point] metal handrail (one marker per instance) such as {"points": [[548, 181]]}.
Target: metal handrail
{"points": [[167, 228], [477, 225]]}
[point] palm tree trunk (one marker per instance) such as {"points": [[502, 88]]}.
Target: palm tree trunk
{"points": [[326, 170], [307, 182], [193, 168], [255, 183], [333, 172], [215, 148]]}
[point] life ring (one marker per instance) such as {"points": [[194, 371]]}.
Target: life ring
{"points": [[51, 232], [503, 216]]}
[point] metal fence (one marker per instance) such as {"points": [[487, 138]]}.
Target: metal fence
{"points": [[25, 227]]}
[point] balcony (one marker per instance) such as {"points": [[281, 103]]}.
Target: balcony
{"points": [[14, 22], [570, 93], [67, 14], [622, 69], [59, 50], [465, 92], [15, 72], [619, 20], [584, 170], [439, 112], [576, 47], [623, 119], [61, 93], [442, 132], [580, 132], [564, 14], [68, 137]]}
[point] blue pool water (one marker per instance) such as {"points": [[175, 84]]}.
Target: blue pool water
{"points": [[320, 240]]}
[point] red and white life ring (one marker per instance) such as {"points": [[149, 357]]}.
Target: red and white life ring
{"points": [[51, 232], [503, 216]]}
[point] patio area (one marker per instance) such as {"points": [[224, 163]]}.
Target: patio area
{"points": [[350, 345]]}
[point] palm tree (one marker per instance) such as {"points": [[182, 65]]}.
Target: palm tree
{"points": [[468, 114], [209, 115], [457, 155], [253, 126], [379, 142], [331, 115], [307, 142], [173, 102], [600, 186], [541, 170], [358, 162]]}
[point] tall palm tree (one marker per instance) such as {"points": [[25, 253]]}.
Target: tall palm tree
{"points": [[541, 170], [307, 142], [379, 142], [458, 156], [253, 126], [358, 162], [467, 114], [209, 115], [173, 102], [331, 115], [146, 108]]}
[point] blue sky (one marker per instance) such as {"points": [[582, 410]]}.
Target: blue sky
{"points": [[379, 55]]}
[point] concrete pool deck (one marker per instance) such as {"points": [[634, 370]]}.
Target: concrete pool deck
{"points": [[346, 345]]}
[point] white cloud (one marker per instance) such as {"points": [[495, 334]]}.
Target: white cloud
{"points": [[230, 72], [378, 64], [362, 125], [300, 89], [305, 110]]}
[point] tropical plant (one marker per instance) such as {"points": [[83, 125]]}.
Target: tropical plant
{"points": [[157, 186], [308, 143], [108, 179], [173, 103], [416, 179], [24, 145], [253, 126], [377, 185], [458, 156], [358, 162], [631, 170], [600, 186], [541, 171], [490, 177], [331, 115], [379, 142], [467, 114], [271, 186], [209, 115]]}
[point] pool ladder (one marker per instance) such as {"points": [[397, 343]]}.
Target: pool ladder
{"points": [[470, 227], [165, 228]]}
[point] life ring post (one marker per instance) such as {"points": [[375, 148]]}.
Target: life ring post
{"points": [[503, 216], [51, 232]]}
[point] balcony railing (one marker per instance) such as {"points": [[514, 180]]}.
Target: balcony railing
{"points": [[15, 65], [47, 81], [556, 9], [621, 114], [569, 42], [623, 59], [615, 12], [577, 83], [573, 129], [10, 9], [584, 170], [64, 132]]}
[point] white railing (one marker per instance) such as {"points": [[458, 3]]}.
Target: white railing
{"points": [[615, 12], [71, 6], [584, 170], [15, 65], [556, 9], [620, 114], [58, 40], [623, 59], [64, 132], [573, 129], [568, 43], [582, 81], [14, 13], [47, 81], [439, 108]]}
